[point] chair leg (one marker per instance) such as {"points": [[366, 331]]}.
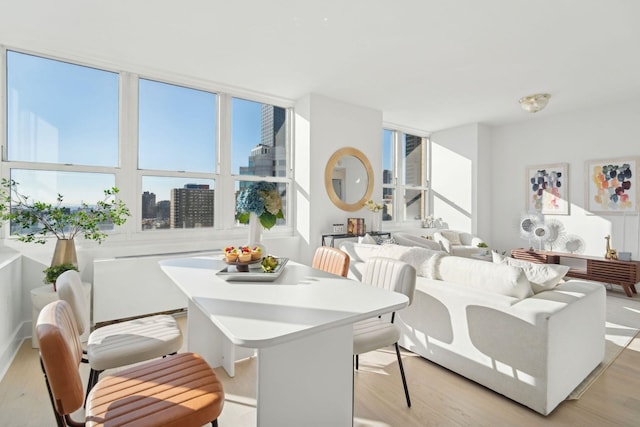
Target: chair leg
{"points": [[357, 362], [214, 423], [93, 379], [404, 380], [59, 418]]}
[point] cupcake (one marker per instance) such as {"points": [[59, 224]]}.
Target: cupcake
{"points": [[230, 254], [244, 254], [256, 253]]}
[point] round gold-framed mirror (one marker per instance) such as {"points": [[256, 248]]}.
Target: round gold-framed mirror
{"points": [[348, 179]]}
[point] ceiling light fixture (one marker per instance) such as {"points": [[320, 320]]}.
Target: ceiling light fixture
{"points": [[534, 103]]}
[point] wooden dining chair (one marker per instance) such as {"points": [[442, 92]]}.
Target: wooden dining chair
{"points": [[331, 260], [372, 334], [122, 343], [177, 391]]}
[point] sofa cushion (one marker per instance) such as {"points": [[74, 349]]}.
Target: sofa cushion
{"points": [[543, 277], [452, 236], [492, 277]]}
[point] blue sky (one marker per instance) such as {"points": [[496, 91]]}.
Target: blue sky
{"points": [[66, 113]]}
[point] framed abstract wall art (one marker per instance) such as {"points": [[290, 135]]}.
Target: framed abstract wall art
{"points": [[547, 190], [612, 185]]}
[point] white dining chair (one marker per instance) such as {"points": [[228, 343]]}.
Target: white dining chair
{"points": [[123, 343], [372, 334]]}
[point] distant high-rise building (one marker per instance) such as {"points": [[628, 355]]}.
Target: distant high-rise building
{"points": [[191, 206], [268, 157], [148, 205], [413, 160], [163, 210], [272, 125]]}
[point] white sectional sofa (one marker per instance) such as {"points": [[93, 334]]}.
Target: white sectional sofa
{"points": [[487, 324]]}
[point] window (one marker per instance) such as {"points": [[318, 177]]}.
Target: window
{"points": [[413, 171], [176, 128], [258, 144], [178, 165], [176, 132], [75, 187], [404, 163], [60, 113], [170, 202], [258, 139]]}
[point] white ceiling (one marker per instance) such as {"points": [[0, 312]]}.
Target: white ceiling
{"points": [[427, 64]]}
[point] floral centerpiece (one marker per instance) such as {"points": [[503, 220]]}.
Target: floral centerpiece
{"points": [[376, 214], [262, 199], [373, 206]]}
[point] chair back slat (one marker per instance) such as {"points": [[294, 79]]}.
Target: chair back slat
{"points": [[69, 286], [61, 353], [331, 260], [390, 274]]}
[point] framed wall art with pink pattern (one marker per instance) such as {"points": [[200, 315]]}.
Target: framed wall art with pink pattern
{"points": [[547, 190]]}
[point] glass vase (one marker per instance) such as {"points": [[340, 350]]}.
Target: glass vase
{"points": [[376, 221]]}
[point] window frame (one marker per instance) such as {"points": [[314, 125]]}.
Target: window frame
{"points": [[398, 186], [127, 172]]}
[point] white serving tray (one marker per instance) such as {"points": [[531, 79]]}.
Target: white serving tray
{"points": [[230, 274]]}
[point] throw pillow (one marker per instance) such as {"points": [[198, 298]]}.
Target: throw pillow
{"points": [[367, 238], [499, 278], [386, 241], [452, 236], [543, 277]]}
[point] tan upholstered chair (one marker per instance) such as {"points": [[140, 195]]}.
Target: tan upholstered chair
{"points": [[179, 391], [331, 260], [123, 343], [372, 334]]}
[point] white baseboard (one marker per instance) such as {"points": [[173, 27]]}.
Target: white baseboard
{"points": [[12, 346]]}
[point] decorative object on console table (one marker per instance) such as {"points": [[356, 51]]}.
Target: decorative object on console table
{"points": [[356, 226], [609, 252], [612, 185], [376, 214], [338, 228], [616, 272], [547, 191]]}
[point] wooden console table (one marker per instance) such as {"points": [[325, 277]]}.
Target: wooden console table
{"points": [[622, 273]]}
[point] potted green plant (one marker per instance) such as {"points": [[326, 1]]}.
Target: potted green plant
{"points": [[38, 220], [51, 273]]}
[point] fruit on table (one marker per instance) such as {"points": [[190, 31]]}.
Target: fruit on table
{"points": [[269, 263]]}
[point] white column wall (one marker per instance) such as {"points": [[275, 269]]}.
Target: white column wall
{"points": [[330, 125]]}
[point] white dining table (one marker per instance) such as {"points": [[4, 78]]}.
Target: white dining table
{"points": [[299, 325]]}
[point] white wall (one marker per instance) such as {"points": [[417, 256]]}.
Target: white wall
{"points": [[460, 178], [324, 125], [12, 325], [610, 131]]}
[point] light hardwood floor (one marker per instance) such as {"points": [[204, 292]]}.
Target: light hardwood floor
{"points": [[439, 397]]}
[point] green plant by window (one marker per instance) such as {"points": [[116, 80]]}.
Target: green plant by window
{"points": [[51, 273], [37, 220]]}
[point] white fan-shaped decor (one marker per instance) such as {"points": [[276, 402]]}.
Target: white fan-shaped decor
{"points": [[541, 234], [571, 243], [556, 231], [527, 225]]}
